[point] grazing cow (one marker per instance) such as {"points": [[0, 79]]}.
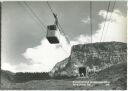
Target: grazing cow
{"points": [[82, 71], [94, 69]]}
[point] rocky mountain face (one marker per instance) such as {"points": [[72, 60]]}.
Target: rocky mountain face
{"points": [[96, 55]]}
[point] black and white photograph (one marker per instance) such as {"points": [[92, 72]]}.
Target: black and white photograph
{"points": [[63, 45]]}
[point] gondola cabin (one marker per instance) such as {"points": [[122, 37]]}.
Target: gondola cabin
{"points": [[52, 34]]}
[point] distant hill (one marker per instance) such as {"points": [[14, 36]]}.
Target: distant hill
{"points": [[10, 77], [7, 78]]}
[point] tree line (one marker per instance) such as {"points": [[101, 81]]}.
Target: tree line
{"points": [[27, 76]]}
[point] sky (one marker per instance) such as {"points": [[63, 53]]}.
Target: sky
{"points": [[24, 44]]}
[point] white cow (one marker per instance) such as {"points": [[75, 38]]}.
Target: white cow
{"points": [[94, 69]]}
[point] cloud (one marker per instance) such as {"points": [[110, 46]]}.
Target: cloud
{"points": [[44, 56], [7, 66], [86, 20], [115, 28], [81, 39]]}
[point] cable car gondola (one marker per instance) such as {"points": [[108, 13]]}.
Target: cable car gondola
{"points": [[53, 32]]}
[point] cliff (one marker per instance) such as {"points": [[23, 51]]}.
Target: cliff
{"points": [[96, 55]]}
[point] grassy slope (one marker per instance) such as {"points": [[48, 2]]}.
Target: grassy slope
{"points": [[6, 79], [115, 74]]}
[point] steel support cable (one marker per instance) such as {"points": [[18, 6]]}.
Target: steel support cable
{"points": [[39, 20], [35, 16], [50, 7], [91, 19], [111, 16], [64, 33], [35, 19], [105, 21]]}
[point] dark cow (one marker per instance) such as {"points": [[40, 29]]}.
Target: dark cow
{"points": [[82, 71]]}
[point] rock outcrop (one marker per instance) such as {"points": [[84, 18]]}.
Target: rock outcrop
{"points": [[99, 55]]}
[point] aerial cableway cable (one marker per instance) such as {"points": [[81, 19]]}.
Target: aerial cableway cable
{"points": [[63, 33], [91, 19], [110, 17], [33, 17], [59, 25], [50, 7], [42, 24], [27, 5], [105, 21]]}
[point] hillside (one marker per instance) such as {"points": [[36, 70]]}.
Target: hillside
{"points": [[101, 55], [7, 78], [116, 75]]}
